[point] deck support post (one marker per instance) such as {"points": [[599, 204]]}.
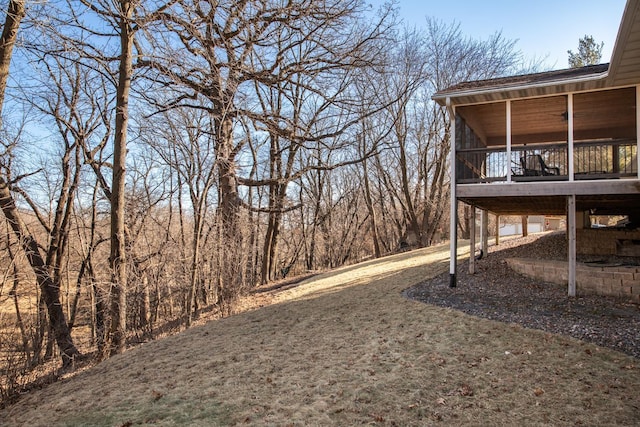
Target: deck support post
{"points": [[453, 242], [571, 226], [484, 231], [638, 127], [453, 214], [472, 241], [497, 230]]}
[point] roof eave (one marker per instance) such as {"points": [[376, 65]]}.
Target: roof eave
{"points": [[507, 91], [623, 65]]}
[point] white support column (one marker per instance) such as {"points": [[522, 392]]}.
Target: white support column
{"points": [[453, 243], [638, 128], [570, 135], [453, 214], [508, 140], [571, 232], [472, 241]]}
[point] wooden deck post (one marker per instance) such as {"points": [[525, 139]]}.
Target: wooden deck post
{"points": [[497, 230], [571, 231], [484, 231], [472, 241], [638, 126]]}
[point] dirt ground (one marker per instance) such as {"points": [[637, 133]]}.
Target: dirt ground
{"points": [[497, 292], [346, 348]]}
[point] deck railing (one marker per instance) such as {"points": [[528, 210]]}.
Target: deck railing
{"points": [[609, 159]]}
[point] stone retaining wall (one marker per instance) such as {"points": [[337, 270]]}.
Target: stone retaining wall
{"points": [[618, 281]]}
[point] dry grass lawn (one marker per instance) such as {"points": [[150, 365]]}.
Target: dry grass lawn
{"points": [[345, 348]]}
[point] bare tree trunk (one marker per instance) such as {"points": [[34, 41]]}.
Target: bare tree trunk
{"points": [[269, 251], [436, 197], [117, 259], [98, 307], [464, 222], [145, 309], [195, 260], [371, 209], [525, 229], [101, 310], [76, 297], [231, 236], [16, 304], [410, 211], [229, 200], [14, 292], [50, 292], [15, 13]]}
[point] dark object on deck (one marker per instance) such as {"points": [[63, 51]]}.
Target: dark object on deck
{"points": [[534, 165]]}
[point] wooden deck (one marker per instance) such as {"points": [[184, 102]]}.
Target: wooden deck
{"points": [[549, 197]]}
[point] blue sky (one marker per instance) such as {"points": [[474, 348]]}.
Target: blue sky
{"points": [[541, 28]]}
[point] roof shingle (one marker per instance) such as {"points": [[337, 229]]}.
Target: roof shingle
{"points": [[525, 79]]}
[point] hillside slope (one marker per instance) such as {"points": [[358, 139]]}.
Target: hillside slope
{"points": [[345, 348]]}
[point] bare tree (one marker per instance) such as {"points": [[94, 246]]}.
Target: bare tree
{"points": [[125, 25], [403, 83], [124, 18], [455, 58], [184, 144], [13, 17], [147, 234], [414, 168], [291, 60], [50, 291]]}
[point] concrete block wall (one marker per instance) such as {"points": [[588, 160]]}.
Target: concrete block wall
{"points": [[599, 241], [617, 281]]}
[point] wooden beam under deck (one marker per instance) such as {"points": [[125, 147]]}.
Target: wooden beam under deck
{"points": [[549, 198], [549, 188], [571, 256]]}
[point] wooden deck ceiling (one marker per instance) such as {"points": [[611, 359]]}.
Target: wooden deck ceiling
{"points": [[601, 114]]}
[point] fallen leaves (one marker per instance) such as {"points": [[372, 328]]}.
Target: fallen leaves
{"points": [[465, 390], [378, 418]]}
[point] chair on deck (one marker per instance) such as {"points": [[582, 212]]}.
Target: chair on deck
{"points": [[534, 165]]}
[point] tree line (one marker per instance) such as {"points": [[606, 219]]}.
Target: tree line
{"points": [[161, 158]]}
